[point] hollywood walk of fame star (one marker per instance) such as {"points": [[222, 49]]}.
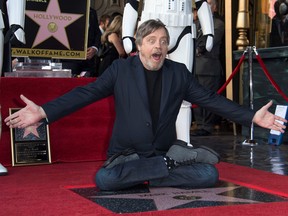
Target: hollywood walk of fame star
{"points": [[52, 23], [32, 130], [167, 198]]}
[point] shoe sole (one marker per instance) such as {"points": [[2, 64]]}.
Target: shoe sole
{"points": [[212, 151], [113, 157], [203, 147], [3, 173]]}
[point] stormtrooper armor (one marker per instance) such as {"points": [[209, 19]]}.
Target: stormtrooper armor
{"points": [[12, 19], [177, 15], [12, 16]]}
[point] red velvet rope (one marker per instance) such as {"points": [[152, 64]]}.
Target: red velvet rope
{"points": [[230, 77], [275, 85], [270, 78]]}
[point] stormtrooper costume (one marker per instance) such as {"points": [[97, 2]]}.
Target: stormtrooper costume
{"points": [[177, 15], [12, 16]]}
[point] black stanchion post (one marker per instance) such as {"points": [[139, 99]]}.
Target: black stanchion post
{"points": [[251, 141]]}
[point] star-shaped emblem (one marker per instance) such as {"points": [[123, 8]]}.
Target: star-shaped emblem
{"points": [[32, 130], [52, 23], [167, 198]]}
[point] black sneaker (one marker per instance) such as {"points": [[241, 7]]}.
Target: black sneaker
{"points": [[121, 157], [185, 155]]}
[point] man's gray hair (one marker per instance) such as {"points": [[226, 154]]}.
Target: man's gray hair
{"points": [[149, 27]]}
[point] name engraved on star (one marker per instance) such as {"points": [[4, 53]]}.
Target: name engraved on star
{"points": [[52, 17], [151, 195], [185, 197], [185, 192], [175, 193]]}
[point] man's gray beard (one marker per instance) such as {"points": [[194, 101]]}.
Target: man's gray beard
{"points": [[151, 68]]}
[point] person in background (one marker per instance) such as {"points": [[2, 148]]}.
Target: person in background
{"points": [[104, 22], [112, 38], [88, 66], [113, 15], [208, 71], [148, 90], [279, 29]]}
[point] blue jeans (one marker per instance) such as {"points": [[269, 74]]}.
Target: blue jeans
{"points": [[154, 170]]}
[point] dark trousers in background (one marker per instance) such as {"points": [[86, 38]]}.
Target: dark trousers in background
{"points": [[204, 118]]}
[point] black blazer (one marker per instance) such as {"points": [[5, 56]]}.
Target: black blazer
{"points": [[125, 80]]}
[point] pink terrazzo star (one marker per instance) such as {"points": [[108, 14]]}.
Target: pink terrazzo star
{"points": [[32, 130], [52, 23]]}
